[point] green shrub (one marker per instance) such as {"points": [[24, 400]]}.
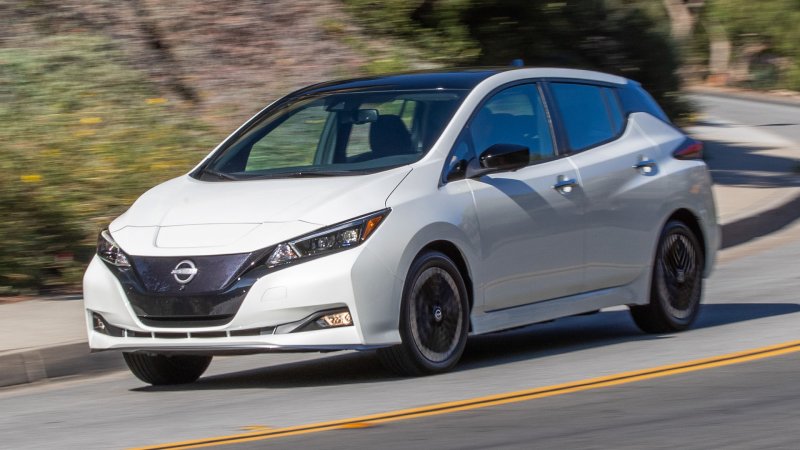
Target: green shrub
{"points": [[624, 37], [432, 27], [83, 135], [772, 24]]}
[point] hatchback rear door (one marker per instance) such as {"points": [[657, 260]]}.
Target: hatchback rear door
{"points": [[618, 165]]}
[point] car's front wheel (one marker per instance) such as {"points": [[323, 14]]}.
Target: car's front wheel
{"points": [[158, 369], [434, 318], [677, 282]]}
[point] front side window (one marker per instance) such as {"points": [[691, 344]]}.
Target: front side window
{"points": [[588, 116], [514, 116], [337, 134]]}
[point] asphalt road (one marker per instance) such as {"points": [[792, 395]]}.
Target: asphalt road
{"points": [[687, 411], [780, 119], [751, 301]]}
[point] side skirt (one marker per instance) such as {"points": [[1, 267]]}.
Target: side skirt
{"points": [[630, 294]]}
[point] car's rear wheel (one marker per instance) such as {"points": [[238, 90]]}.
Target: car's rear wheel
{"points": [[434, 318], [157, 369], [677, 282]]}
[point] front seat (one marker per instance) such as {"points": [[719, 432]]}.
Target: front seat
{"points": [[388, 136]]}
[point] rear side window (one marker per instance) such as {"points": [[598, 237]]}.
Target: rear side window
{"points": [[590, 114], [614, 110]]}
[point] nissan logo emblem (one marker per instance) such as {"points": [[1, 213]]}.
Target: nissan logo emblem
{"points": [[184, 272]]}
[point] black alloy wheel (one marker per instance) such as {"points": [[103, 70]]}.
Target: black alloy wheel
{"points": [[434, 318], [677, 282]]}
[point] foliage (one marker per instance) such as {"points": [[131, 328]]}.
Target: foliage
{"points": [[434, 27], [619, 37], [772, 24], [82, 136]]}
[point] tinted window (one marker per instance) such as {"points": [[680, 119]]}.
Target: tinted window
{"points": [[636, 99], [513, 116], [614, 110], [584, 114], [456, 167]]}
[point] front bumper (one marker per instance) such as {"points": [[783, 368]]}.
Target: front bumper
{"points": [[270, 314]]}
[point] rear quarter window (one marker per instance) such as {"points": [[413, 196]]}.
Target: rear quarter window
{"points": [[636, 99]]}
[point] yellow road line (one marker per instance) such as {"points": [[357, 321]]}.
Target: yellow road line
{"points": [[491, 400]]}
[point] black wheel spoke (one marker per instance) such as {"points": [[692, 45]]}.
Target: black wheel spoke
{"points": [[679, 274], [437, 321], [677, 281]]}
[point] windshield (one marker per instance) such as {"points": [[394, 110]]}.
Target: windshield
{"points": [[337, 134]]}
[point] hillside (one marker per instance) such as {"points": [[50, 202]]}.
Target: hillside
{"points": [[101, 100], [226, 62]]}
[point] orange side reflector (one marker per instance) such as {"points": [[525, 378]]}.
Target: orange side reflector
{"points": [[370, 227]]}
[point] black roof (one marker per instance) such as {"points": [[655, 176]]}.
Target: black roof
{"points": [[444, 79]]}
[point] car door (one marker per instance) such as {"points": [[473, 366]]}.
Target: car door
{"points": [[529, 222], [617, 165]]}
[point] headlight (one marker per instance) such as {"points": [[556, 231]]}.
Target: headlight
{"points": [[329, 240], [109, 251]]}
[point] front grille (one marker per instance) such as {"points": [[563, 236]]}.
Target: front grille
{"points": [[188, 310], [214, 273], [211, 298], [185, 322], [199, 335]]}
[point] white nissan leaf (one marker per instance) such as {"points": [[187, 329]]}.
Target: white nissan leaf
{"points": [[405, 213]]}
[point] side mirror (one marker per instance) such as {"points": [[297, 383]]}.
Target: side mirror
{"points": [[501, 158]]}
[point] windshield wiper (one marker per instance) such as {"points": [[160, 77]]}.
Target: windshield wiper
{"points": [[321, 173], [309, 174], [217, 174]]}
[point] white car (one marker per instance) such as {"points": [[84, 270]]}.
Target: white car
{"points": [[404, 213]]}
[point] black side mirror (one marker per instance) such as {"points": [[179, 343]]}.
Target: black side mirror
{"points": [[500, 158]]}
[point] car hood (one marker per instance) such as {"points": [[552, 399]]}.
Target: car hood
{"points": [[186, 216]]}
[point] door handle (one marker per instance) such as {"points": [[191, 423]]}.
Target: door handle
{"points": [[564, 184], [645, 165]]}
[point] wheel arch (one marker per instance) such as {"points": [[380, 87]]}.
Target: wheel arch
{"points": [[452, 251], [693, 222], [654, 316]]}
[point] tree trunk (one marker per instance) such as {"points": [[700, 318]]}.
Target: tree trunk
{"points": [[719, 60], [680, 18]]}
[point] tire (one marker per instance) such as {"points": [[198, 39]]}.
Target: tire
{"points": [[157, 369], [676, 284], [434, 318]]}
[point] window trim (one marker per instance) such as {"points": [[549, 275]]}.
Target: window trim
{"points": [[559, 122]]}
